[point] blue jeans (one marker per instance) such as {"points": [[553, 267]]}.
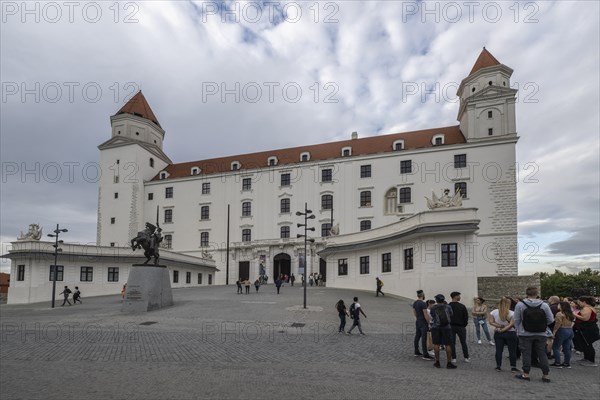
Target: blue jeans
{"points": [[484, 326], [421, 335], [508, 338], [564, 338], [342, 322]]}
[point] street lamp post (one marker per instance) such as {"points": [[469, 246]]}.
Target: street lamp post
{"points": [[57, 232], [307, 215]]}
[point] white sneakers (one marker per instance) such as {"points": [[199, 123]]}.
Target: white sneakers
{"points": [[479, 342], [492, 343], [467, 360]]}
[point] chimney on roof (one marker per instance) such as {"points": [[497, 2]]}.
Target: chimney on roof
{"points": [[354, 135]]}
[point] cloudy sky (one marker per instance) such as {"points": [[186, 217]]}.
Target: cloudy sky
{"points": [[236, 77]]}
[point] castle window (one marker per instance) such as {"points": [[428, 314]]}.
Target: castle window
{"points": [[151, 162], [405, 195], [325, 229], [285, 179], [462, 187], [490, 131], [473, 90], [137, 134], [204, 236], [365, 171], [175, 276], [206, 188], [60, 270], [204, 212], [116, 179], [235, 166], [364, 265], [168, 216], [449, 255], [408, 259], [86, 274], [386, 262], [168, 241], [272, 161], [21, 272], [438, 140], [326, 175], [490, 114], [246, 209], [116, 195], [305, 157], [150, 196], [284, 206], [460, 160], [284, 232], [365, 198], [398, 145], [390, 201], [195, 170], [246, 235], [188, 277], [365, 225], [342, 266], [490, 83], [163, 175], [112, 244], [327, 202], [406, 166], [113, 220], [169, 192], [247, 184]]}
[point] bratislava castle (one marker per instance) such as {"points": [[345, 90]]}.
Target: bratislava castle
{"points": [[368, 196]]}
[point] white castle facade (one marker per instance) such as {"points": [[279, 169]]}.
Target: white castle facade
{"points": [[371, 190]]}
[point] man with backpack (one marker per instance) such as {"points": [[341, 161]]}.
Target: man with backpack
{"points": [[66, 293], [441, 330], [355, 311], [379, 286], [532, 317]]}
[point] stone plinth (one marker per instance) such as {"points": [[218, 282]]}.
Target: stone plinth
{"points": [[148, 288]]}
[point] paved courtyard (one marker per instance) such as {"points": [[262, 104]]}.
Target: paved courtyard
{"points": [[216, 344]]}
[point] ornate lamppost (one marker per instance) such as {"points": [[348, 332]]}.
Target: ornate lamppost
{"points": [[54, 268], [307, 215]]}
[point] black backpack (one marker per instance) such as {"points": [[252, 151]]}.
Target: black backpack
{"points": [[442, 315], [534, 318], [352, 310]]}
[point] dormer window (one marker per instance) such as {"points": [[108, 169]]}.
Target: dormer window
{"points": [[195, 171], [398, 145], [437, 140], [163, 175], [346, 151], [235, 165], [305, 156], [272, 161], [151, 162]]}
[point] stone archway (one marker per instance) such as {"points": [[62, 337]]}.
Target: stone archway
{"points": [[282, 265]]}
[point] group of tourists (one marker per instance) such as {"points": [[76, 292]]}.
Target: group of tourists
{"points": [[529, 328]]}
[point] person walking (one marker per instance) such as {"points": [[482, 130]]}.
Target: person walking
{"points": [[562, 333], [342, 314], [239, 286], [479, 319], [587, 330], [257, 285], [532, 317], [278, 283], [355, 311], [502, 319], [123, 290], [422, 320], [441, 331], [458, 324], [292, 279], [379, 283], [66, 293], [77, 296], [247, 285]]}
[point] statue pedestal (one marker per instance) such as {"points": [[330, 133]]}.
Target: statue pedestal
{"points": [[148, 289]]}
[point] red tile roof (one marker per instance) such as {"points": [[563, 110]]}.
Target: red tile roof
{"points": [[140, 107], [485, 59], [319, 152]]}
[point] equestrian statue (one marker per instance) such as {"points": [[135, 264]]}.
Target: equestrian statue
{"points": [[149, 239]]}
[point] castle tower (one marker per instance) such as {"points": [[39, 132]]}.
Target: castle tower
{"points": [[487, 102], [132, 156]]}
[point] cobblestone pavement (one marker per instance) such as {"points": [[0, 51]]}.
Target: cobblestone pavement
{"points": [[216, 344]]}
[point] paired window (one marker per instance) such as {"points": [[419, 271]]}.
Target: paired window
{"points": [[364, 265], [188, 277], [175, 276], [285, 180], [326, 175], [365, 225], [113, 274], [408, 259], [204, 237], [449, 255], [386, 262], [284, 232], [206, 188], [168, 216], [460, 160], [365, 171], [343, 266], [284, 206], [365, 198], [168, 241], [327, 202], [246, 209], [169, 193], [406, 167], [246, 236], [247, 184], [59, 272], [21, 273], [405, 195], [205, 212], [325, 229], [86, 274], [462, 187]]}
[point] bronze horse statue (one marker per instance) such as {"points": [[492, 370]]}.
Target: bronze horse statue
{"points": [[149, 240]]}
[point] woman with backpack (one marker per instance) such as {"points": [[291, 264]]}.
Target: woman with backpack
{"points": [[342, 314], [479, 319], [563, 335], [502, 319]]}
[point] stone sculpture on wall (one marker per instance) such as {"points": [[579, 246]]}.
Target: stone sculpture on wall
{"points": [[34, 233], [445, 201]]}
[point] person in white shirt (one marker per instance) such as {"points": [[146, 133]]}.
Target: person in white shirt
{"points": [[502, 319]]}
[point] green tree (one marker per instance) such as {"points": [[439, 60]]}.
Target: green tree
{"points": [[565, 285]]}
